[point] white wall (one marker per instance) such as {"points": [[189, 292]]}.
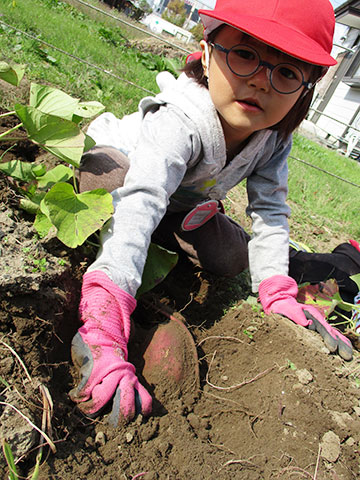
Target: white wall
{"points": [[158, 25], [342, 106]]}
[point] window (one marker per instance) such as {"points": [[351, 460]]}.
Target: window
{"points": [[352, 76]]}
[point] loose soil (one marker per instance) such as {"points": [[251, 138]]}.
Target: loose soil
{"points": [[270, 401]]}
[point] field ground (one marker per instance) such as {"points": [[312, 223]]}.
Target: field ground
{"points": [[262, 398], [271, 401]]}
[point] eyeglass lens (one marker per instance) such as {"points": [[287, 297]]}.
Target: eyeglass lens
{"points": [[244, 61]]}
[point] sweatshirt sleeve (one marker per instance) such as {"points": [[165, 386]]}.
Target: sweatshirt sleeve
{"points": [[267, 192], [167, 142]]}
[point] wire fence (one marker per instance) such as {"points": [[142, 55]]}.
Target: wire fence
{"points": [[324, 171], [78, 59], [351, 135], [107, 72], [135, 27], [350, 126]]}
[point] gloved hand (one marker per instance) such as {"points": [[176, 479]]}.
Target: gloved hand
{"points": [[278, 295], [99, 352]]}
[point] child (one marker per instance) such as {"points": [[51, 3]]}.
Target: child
{"points": [[229, 116]]}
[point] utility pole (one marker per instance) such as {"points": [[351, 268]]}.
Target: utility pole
{"points": [[193, 8]]}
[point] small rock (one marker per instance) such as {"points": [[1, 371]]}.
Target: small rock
{"points": [[89, 441], [164, 448], [304, 376], [343, 419], [100, 438], [357, 411], [297, 386], [129, 437], [324, 349], [330, 446], [194, 421], [139, 420], [148, 431], [6, 365], [350, 442], [204, 423], [18, 433]]}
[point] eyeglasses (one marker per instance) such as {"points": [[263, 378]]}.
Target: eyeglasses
{"points": [[244, 61]]}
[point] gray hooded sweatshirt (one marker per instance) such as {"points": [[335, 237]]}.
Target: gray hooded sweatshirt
{"points": [[176, 146]]}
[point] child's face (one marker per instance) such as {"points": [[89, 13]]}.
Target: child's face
{"points": [[247, 104]]}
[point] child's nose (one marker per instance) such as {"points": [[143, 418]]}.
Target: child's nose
{"points": [[261, 79]]}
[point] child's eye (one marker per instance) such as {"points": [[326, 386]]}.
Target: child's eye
{"points": [[288, 73], [244, 54]]}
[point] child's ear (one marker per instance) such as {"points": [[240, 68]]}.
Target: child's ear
{"points": [[205, 57]]}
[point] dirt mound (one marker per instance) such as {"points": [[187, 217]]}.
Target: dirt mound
{"points": [[272, 402]]}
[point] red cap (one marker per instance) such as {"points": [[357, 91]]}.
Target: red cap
{"points": [[303, 29], [193, 56]]}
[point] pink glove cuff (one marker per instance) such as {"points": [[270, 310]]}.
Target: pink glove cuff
{"points": [[278, 287], [106, 307], [355, 244]]}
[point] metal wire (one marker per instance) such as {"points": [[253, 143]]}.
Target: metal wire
{"points": [[352, 127], [324, 171], [148, 91], [163, 40], [92, 65]]}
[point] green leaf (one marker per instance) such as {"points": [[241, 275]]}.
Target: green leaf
{"points": [[88, 109], [340, 303], [44, 53], [159, 263], [10, 461], [11, 74], [42, 224], [76, 216], [62, 138], [325, 296], [356, 279], [249, 334], [291, 365], [51, 59], [31, 205], [38, 170], [172, 65], [89, 143], [36, 471], [17, 169], [4, 382], [251, 300], [52, 101], [60, 173]]}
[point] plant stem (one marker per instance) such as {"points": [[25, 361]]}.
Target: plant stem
{"points": [[7, 114], [2, 135], [93, 244], [11, 139], [75, 183]]}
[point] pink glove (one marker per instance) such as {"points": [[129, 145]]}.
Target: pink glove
{"points": [[278, 295], [99, 352]]}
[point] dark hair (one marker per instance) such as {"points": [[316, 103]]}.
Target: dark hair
{"points": [[292, 119]]}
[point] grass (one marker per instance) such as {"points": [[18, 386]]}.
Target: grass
{"points": [[317, 199], [97, 40], [321, 195]]}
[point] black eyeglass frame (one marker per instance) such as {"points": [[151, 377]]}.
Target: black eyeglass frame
{"points": [[262, 63]]}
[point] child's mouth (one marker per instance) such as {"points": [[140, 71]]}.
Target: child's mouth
{"points": [[249, 104]]}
